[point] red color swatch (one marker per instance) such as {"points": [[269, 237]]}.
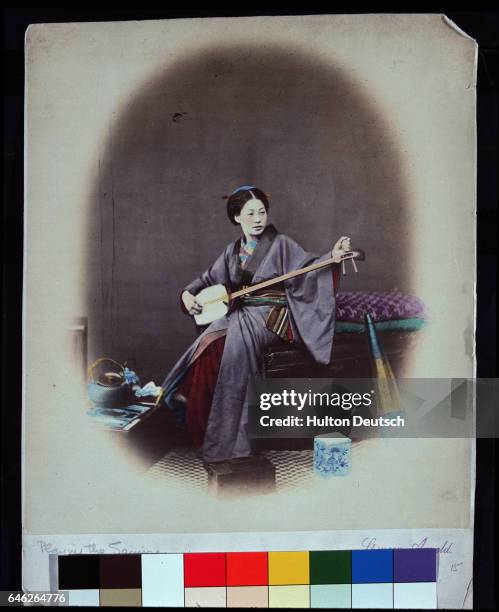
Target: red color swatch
{"points": [[247, 569], [204, 569]]}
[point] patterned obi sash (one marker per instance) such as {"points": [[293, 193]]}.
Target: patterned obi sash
{"points": [[262, 297], [278, 318]]}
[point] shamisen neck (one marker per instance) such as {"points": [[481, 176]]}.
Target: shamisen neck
{"points": [[280, 279]]}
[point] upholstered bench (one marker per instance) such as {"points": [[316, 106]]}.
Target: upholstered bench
{"points": [[397, 317]]}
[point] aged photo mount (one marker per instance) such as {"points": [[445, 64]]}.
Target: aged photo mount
{"points": [[352, 125]]}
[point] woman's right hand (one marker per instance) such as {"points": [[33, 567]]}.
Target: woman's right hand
{"points": [[192, 306]]}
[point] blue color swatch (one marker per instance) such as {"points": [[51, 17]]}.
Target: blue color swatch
{"points": [[370, 566]]}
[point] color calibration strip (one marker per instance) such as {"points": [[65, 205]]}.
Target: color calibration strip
{"points": [[399, 578]]}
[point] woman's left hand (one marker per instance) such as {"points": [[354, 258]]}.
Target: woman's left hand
{"points": [[342, 246]]}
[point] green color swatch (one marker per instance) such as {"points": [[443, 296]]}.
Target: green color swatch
{"points": [[331, 567]]}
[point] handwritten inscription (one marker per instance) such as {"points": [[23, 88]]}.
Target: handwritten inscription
{"points": [[117, 547], [445, 548], [92, 548]]}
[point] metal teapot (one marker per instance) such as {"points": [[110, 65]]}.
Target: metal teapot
{"points": [[109, 389]]}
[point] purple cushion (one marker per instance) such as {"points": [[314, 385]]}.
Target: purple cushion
{"points": [[353, 305]]}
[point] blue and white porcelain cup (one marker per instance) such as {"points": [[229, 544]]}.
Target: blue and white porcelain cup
{"points": [[332, 455]]}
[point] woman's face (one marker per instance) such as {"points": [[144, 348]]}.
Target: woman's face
{"points": [[253, 218]]}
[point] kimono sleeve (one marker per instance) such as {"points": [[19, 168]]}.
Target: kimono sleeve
{"points": [[311, 301], [216, 274]]}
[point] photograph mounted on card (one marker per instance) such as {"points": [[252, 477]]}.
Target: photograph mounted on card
{"points": [[214, 200]]}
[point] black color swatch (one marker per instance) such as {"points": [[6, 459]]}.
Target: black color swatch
{"points": [[79, 572]]}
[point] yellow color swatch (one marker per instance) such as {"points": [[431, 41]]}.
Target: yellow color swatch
{"points": [[289, 568]]}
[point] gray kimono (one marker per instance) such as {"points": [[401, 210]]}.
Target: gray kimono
{"points": [[311, 305]]}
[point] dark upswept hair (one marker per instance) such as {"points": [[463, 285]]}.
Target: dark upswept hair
{"points": [[237, 200]]}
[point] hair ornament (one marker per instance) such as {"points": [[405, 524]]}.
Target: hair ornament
{"points": [[244, 188]]}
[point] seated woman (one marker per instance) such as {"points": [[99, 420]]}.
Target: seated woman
{"points": [[212, 375]]}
